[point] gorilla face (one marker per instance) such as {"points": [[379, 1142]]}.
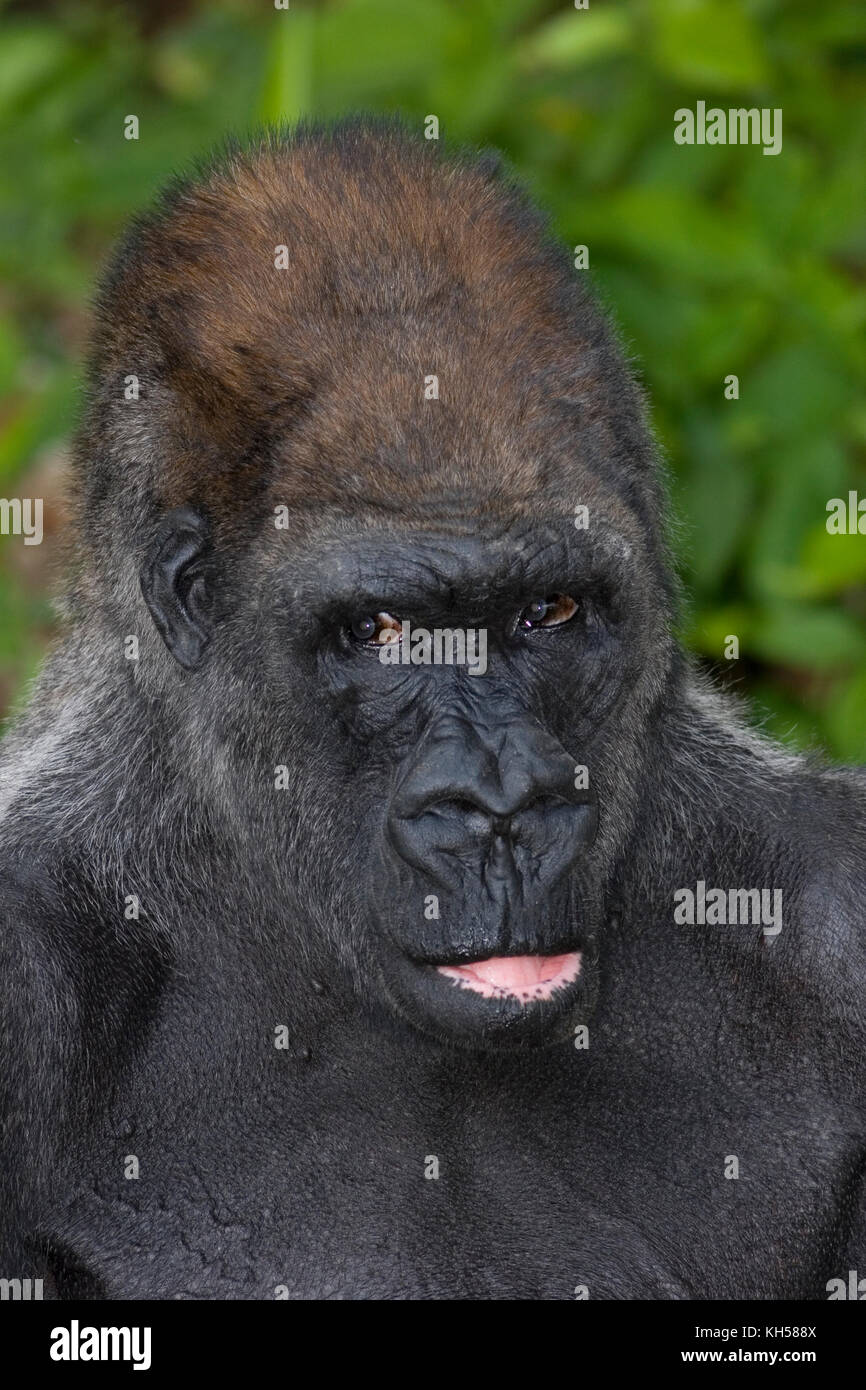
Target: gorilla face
{"points": [[453, 825], [430, 396]]}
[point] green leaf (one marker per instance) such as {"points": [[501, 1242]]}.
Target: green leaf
{"points": [[831, 564], [798, 477], [716, 495], [818, 639], [288, 89], [11, 352], [796, 392], [707, 43], [845, 719], [709, 631], [390, 53], [679, 231], [579, 38], [29, 56]]}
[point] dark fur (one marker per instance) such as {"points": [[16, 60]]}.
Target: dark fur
{"points": [[262, 1168]]}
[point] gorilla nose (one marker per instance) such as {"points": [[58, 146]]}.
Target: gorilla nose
{"points": [[479, 788], [478, 819]]}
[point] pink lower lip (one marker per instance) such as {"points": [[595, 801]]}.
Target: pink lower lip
{"points": [[516, 977]]}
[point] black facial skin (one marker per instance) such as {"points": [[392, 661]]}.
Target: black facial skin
{"points": [[472, 804]]}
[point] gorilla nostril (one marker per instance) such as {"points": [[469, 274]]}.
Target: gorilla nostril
{"points": [[500, 818]]}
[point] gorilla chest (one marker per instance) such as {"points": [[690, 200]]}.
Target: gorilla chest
{"points": [[500, 1194]]}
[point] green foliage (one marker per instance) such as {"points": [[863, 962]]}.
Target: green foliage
{"points": [[715, 260]]}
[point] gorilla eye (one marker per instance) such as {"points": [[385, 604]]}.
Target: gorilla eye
{"points": [[373, 629], [548, 612]]}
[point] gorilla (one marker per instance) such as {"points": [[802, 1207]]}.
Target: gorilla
{"points": [[332, 969]]}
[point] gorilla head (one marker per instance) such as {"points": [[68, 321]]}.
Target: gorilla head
{"points": [[343, 385]]}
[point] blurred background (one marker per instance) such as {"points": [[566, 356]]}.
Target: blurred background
{"points": [[714, 260]]}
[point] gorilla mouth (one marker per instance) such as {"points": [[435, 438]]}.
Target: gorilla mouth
{"points": [[525, 978], [527, 1000]]}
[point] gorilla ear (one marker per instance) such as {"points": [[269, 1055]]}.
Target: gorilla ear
{"points": [[174, 581]]}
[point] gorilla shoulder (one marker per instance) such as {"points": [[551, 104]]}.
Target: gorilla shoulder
{"points": [[821, 841]]}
